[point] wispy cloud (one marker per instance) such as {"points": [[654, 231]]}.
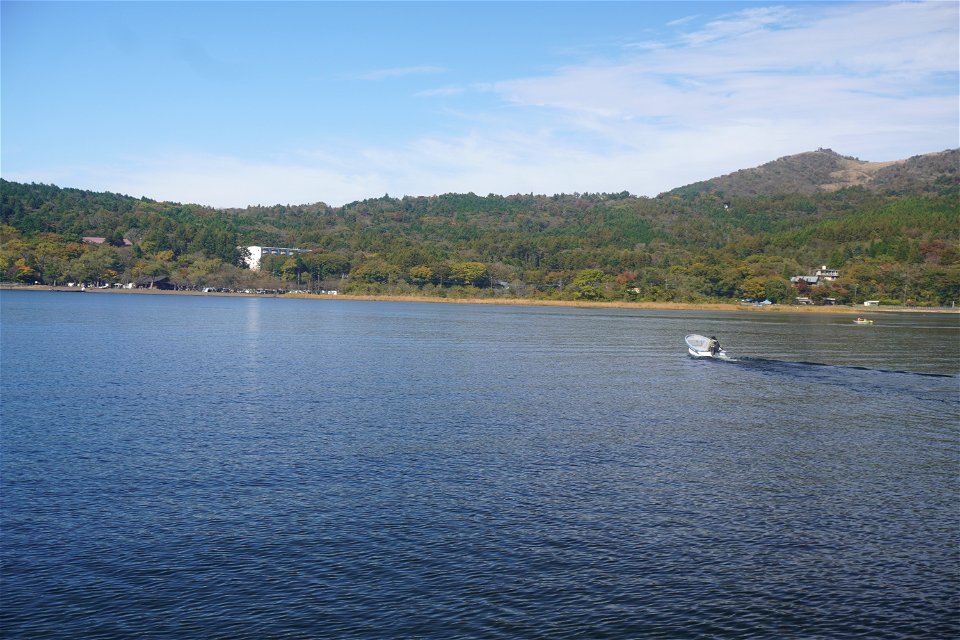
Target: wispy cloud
{"points": [[740, 24], [442, 91], [400, 72], [872, 71], [682, 21]]}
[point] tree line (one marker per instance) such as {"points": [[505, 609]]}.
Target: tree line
{"points": [[691, 247]]}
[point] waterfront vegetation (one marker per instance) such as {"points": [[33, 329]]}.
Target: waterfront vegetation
{"points": [[684, 246]]}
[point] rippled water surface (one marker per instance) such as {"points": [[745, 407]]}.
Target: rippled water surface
{"points": [[211, 467]]}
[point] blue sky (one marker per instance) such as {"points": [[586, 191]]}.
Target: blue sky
{"points": [[245, 103]]}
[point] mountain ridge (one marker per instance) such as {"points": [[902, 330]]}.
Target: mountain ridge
{"points": [[825, 171]]}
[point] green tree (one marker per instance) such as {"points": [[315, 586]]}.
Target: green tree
{"points": [[204, 272], [754, 288], [289, 270], [588, 284], [778, 290], [324, 264], [469, 273], [115, 238], [374, 270], [51, 259], [97, 265]]}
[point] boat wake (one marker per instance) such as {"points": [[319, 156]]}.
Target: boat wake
{"points": [[939, 388], [774, 364]]}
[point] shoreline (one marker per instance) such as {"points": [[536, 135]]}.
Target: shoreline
{"points": [[619, 304]]}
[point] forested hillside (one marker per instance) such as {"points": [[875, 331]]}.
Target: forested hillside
{"points": [[894, 241]]}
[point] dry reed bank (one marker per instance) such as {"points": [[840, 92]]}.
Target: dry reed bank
{"points": [[667, 306]]}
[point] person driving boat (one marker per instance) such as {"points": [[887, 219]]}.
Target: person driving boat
{"points": [[715, 347]]}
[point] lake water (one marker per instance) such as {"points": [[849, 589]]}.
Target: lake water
{"points": [[211, 467]]}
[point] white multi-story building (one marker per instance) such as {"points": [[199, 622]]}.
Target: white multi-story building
{"points": [[822, 275], [827, 274], [256, 253]]}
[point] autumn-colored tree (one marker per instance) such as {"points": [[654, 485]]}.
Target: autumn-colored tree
{"points": [[23, 271], [420, 274]]}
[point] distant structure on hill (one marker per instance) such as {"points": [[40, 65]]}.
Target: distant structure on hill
{"points": [[819, 277], [99, 240], [256, 253]]}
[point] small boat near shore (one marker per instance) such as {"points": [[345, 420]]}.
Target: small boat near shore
{"points": [[703, 347], [863, 321]]}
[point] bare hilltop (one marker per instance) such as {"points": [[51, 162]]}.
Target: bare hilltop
{"points": [[824, 170]]}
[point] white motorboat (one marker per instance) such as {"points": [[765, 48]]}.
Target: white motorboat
{"points": [[703, 347]]}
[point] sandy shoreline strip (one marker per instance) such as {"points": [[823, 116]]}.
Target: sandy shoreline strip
{"points": [[666, 306]]}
